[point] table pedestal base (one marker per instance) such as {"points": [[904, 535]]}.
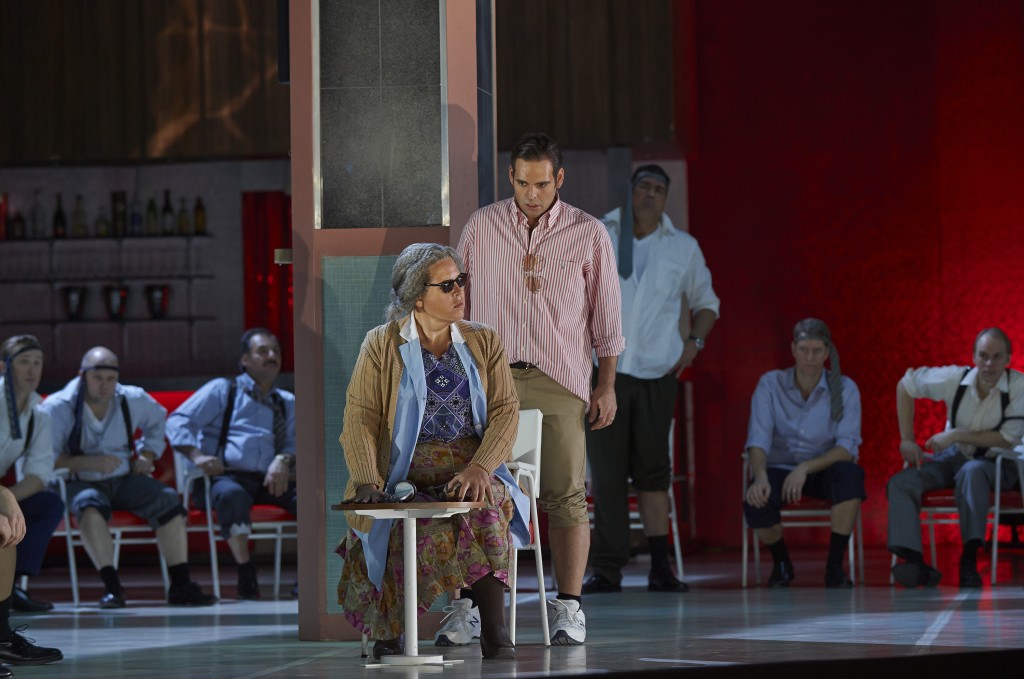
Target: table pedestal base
{"points": [[412, 661]]}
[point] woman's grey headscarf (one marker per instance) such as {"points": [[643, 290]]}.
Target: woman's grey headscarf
{"points": [[815, 329], [410, 275]]}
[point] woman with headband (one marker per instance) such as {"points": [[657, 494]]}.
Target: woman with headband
{"points": [[803, 439]]}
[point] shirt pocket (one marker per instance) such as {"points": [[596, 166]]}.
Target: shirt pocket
{"points": [[564, 283], [668, 278]]}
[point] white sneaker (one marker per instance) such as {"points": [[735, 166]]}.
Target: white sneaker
{"points": [[461, 625], [568, 623]]}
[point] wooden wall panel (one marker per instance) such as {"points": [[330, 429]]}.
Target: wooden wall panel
{"points": [[243, 103], [592, 73], [172, 79]]}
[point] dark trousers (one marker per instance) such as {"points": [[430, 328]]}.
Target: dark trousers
{"points": [[233, 495], [841, 482], [43, 512], [633, 449]]}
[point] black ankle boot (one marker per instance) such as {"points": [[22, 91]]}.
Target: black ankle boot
{"points": [[383, 647], [495, 642]]}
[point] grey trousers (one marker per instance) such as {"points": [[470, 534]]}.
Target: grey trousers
{"points": [[973, 481]]}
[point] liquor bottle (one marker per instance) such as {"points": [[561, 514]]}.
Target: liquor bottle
{"points": [[184, 221], [119, 213], [3, 216], [60, 222], [199, 217], [16, 229], [152, 221], [79, 224], [101, 227], [36, 217], [136, 220], [167, 216]]}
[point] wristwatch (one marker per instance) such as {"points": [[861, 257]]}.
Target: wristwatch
{"points": [[289, 460], [699, 341]]}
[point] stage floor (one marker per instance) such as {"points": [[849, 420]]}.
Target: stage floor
{"points": [[715, 624]]}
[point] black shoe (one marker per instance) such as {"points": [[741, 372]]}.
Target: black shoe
{"points": [[22, 602], [912, 575], [248, 586], [18, 650], [498, 646], [189, 594], [782, 575], [665, 581], [113, 600], [598, 584], [969, 577], [5, 673], [383, 647], [835, 578]]}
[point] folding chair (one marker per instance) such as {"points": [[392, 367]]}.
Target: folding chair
{"points": [[525, 469]]}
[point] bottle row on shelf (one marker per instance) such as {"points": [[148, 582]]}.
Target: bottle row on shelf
{"points": [[120, 221]]}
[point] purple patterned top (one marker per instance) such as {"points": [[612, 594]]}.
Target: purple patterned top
{"points": [[449, 412]]}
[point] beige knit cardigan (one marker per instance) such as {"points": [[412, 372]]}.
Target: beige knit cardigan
{"points": [[372, 401]]}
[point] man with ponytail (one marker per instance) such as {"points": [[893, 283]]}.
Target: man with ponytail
{"points": [[803, 439]]}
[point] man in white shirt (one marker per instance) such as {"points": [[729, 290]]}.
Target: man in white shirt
{"points": [[985, 413], [25, 443], [663, 280], [94, 421]]}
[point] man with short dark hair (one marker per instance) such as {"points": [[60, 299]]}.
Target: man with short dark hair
{"points": [[94, 422], [663, 279], [241, 432], [985, 414], [542, 273]]}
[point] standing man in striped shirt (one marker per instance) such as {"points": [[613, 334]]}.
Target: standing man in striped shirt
{"points": [[543, 274]]}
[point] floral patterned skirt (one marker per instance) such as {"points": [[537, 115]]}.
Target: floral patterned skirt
{"points": [[452, 552]]}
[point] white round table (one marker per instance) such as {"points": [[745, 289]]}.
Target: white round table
{"points": [[408, 512]]}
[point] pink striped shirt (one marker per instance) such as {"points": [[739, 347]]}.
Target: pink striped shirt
{"points": [[577, 307]]}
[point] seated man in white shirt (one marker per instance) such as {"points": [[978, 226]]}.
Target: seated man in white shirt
{"points": [[26, 445], [94, 420], [985, 413]]}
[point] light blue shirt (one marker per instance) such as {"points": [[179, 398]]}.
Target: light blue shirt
{"points": [[412, 399], [791, 430], [107, 436], [250, 444]]}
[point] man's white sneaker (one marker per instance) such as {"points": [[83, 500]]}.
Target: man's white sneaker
{"points": [[461, 625], [568, 623]]}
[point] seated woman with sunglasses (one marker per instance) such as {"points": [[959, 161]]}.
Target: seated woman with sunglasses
{"points": [[431, 401]]}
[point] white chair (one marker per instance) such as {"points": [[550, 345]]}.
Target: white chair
{"points": [[269, 522], [125, 527], [807, 513], [525, 469]]}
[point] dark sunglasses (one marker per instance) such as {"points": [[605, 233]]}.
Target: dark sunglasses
{"points": [[448, 285]]}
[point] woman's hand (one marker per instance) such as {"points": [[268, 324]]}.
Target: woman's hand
{"points": [[368, 493], [472, 484]]}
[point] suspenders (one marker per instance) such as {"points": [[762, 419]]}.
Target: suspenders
{"points": [[225, 424], [75, 443], [1004, 397]]}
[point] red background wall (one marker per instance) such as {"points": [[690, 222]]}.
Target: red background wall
{"points": [[862, 162]]}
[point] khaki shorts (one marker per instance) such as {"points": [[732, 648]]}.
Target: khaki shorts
{"points": [[563, 461]]}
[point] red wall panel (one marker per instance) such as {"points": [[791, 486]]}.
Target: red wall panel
{"points": [[859, 162]]}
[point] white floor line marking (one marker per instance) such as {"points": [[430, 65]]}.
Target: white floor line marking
{"points": [[935, 628], [687, 661], [294, 663]]}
